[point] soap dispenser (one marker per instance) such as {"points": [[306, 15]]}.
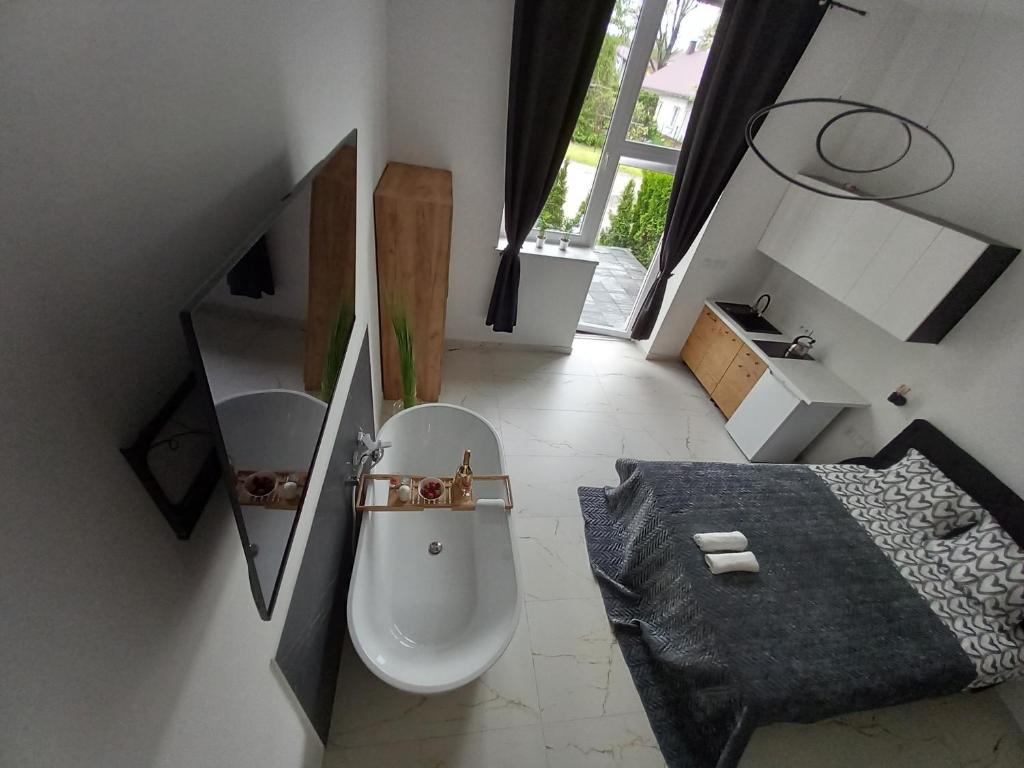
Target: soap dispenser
{"points": [[462, 483]]}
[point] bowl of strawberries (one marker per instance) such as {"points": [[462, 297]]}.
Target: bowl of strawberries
{"points": [[431, 489]]}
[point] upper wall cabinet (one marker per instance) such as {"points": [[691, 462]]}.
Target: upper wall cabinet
{"points": [[912, 276]]}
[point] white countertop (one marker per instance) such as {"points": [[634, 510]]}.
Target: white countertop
{"points": [[809, 380]]}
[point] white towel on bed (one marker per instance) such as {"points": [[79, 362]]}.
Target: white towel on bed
{"points": [[732, 561], [721, 541]]}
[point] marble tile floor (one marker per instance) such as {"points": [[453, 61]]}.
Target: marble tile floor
{"points": [[561, 695]]}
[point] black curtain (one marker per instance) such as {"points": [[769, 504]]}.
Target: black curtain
{"points": [[253, 275], [555, 44], [755, 49]]}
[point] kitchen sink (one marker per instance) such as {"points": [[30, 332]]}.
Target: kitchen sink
{"points": [[778, 349], [747, 318]]}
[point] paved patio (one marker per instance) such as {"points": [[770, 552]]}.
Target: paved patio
{"points": [[613, 292]]}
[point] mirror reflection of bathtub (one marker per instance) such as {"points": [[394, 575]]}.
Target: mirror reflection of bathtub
{"points": [[270, 428], [424, 622]]}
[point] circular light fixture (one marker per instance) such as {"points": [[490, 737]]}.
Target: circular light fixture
{"points": [[853, 108], [849, 113]]}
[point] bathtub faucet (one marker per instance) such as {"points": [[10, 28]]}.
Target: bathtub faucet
{"points": [[368, 453]]}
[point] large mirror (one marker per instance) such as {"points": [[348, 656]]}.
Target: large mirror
{"points": [[268, 334]]}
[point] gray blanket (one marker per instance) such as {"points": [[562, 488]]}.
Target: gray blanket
{"points": [[828, 626]]}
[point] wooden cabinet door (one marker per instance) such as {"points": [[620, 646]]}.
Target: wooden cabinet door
{"points": [[720, 354], [739, 379], [699, 341]]}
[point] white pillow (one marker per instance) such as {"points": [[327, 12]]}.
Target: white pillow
{"points": [[988, 565], [917, 491]]}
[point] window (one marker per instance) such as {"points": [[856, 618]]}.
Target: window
{"points": [[612, 191], [649, 65]]}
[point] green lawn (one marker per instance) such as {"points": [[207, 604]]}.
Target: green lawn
{"points": [[581, 153]]}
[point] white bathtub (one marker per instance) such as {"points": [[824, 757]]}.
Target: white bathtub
{"points": [[431, 623]]}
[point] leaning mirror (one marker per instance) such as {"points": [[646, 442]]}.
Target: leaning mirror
{"points": [[267, 334]]}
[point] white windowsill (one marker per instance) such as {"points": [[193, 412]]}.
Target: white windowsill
{"points": [[572, 253]]}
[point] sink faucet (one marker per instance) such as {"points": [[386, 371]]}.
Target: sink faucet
{"points": [[758, 310], [368, 453]]}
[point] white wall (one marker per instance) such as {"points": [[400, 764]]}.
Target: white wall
{"points": [[141, 141], [288, 248], [553, 292], [448, 66]]}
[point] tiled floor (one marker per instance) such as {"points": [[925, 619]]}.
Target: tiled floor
{"points": [[613, 291], [561, 695]]}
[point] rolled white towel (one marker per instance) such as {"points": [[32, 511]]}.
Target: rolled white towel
{"points": [[721, 541], [732, 561]]}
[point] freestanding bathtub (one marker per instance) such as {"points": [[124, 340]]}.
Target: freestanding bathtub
{"points": [[423, 622]]}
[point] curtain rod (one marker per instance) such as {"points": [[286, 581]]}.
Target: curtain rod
{"points": [[836, 4]]}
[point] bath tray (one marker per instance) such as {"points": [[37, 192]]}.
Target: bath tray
{"points": [[416, 504], [245, 499]]}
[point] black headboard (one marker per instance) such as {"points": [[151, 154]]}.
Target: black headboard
{"points": [[960, 467]]}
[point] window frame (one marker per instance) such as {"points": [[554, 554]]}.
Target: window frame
{"points": [[618, 150]]}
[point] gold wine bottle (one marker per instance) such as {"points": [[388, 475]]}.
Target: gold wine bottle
{"points": [[462, 483]]}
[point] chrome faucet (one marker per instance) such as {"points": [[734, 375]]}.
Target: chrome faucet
{"points": [[368, 453], [758, 310]]}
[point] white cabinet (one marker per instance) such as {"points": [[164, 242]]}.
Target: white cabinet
{"points": [[928, 281], [773, 424], [840, 269], [887, 268], [912, 276]]}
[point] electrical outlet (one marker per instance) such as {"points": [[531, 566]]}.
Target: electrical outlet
{"points": [[857, 439]]}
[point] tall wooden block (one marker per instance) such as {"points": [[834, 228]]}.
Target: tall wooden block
{"points": [[332, 258], [413, 220]]}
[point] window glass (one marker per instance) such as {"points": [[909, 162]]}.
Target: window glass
{"points": [[659, 113], [630, 231], [635, 215], [674, 69]]}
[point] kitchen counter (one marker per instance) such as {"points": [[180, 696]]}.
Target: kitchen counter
{"points": [[808, 380]]}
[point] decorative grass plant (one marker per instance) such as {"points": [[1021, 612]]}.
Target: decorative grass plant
{"points": [[407, 365], [335, 353]]}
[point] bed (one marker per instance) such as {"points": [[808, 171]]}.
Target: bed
{"points": [[883, 580]]}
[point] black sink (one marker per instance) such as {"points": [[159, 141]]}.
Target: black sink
{"points": [[778, 349], [747, 318]]}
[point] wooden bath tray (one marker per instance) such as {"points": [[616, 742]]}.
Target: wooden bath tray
{"points": [[274, 501], [416, 503]]}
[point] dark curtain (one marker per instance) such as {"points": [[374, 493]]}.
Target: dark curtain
{"points": [[755, 49], [253, 276], [554, 49]]}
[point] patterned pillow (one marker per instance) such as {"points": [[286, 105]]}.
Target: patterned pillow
{"points": [[988, 566], [917, 491]]}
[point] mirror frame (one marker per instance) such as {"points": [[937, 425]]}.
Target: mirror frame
{"points": [[263, 606]]}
